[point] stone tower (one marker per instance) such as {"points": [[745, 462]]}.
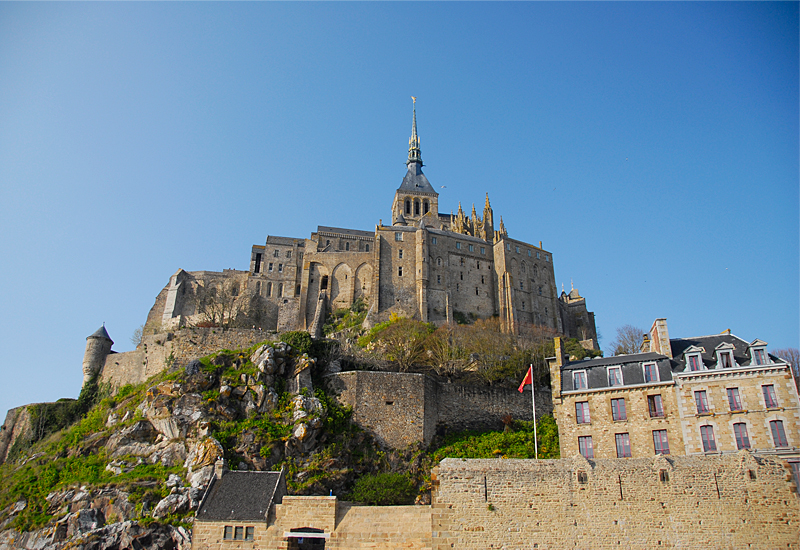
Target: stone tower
{"points": [[415, 198], [98, 346]]}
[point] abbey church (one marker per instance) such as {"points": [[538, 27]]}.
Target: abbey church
{"points": [[427, 265]]}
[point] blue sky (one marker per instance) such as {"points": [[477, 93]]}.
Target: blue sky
{"points": [[652, 147]]}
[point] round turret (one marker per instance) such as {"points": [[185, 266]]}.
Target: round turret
{"points": [[98, 346]]}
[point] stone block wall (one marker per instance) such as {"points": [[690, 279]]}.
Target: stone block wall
{"points": [[400, 409], [735, 501], [159, 352], [639, 425], [754, 414], [208, 535]]}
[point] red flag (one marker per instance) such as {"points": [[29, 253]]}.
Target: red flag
{"points": [[528, 379]]}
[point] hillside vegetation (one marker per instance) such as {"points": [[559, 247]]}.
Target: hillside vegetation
{"points": [[143, 457]]}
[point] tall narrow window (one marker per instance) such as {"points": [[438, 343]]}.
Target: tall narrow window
{"points": [[408, 206], [650, 372], [483, 250], [725, 360], [269, 289], [701, 400], [778, 434], [660, 442], [249, 532], [458, 246], [257, 268], [759, 357], [623, 445], [280, 290], [269, 267], [433, 240], [439, 279], [426, 206], [734, 400], [400, 271], [694, 362], [582, 412], [227, 533], [618, 411], [238, 533], [400, 254], [398, 236], [483, 281], [470, 248], [280, 268], [366, 247], [740, 431], [707, 435], [614, 376], [655, 406], [770, 400], [288, 254], [416, 207], [585, 446], [579, 380], [477, 294], [276, 253], [347, 246]]}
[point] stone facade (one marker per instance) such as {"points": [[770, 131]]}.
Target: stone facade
{"points": [[733, 501], [706, 395], [427, 265], [402, 409]]}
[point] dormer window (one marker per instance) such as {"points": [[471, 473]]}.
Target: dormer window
{"points": [[614, 376], [694, 359], [650, 372], [724, 354], [758, 352], [579, 380]]}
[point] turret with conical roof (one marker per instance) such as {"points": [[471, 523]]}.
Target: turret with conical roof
{"points": [[98, 346]]}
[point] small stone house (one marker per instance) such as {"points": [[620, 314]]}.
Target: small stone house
{"points": [[235, 509]]}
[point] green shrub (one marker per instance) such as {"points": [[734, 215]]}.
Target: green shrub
{"points": [[387, 489], [300, 341]]}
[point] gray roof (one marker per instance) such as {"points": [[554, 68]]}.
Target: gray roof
{"points": [[631, 366], [709, 345], [415, 181], [245, 496], [101, 333], [347, 232], [289, 241]]}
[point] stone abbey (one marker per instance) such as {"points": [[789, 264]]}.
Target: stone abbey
{"points": [[427, 265]]}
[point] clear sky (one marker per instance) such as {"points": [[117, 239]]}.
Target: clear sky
{"points": [[652, 147]]}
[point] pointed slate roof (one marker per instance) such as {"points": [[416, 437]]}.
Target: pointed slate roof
{"points": [[101, 333], [415, 181], [245, 496]]}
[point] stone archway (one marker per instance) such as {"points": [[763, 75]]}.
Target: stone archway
{"points": [[363, 283], [341, 281], [306, 538]]}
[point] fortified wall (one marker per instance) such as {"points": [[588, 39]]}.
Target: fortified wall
{"points": [[405, 408], [728, 501], [159, 352]]}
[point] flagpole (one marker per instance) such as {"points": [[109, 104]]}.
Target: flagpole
{"points": [[533, 402]]}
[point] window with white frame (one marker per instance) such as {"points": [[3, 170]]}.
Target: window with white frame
{"points": [[655, 406], [650, 372], [280, 268], [614, 376], [582, 412], [707, 435], [398, 236], [759, 357], [623, 442], [725, 359], [734, 400], [740, 432], [458, 245], [795, 473], [471, 248], [269, 268], [694, 361], [618, 412], [433, 240], [585, 446], [770, 399], [660, 442], [758, 354], [701, 400], [483, 250], [579, 380], [778, 433]]}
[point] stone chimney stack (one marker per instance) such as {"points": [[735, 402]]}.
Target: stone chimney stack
{"points": [[220, 467], [659, 338], [555, 364]]}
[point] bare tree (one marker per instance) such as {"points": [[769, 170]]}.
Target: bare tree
{"points": [[136, 337], [219, 305], [629, 340]]}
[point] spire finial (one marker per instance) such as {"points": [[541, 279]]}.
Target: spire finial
{"points": [[414, 153], [571, 285]]}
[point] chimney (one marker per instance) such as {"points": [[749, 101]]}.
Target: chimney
{"points": [[645, 347], [555, 364], [220, 467], [659, 338]]}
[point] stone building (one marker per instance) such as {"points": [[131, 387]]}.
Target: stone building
{"points": [[713, 394], [428, 265]]}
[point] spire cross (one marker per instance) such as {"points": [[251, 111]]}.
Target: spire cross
{"points": [[414, 154]]}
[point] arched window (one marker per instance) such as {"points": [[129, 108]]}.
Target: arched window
{"points": [[426, 206], [535, 272], [367, 248], [280, 289], [416, 207], [408, 206], [269, 289], [347, 246], [438, 261]]}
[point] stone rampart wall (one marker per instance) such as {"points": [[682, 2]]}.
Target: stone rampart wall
{"points": [[731, 501], [159, 352], [405, 408]]}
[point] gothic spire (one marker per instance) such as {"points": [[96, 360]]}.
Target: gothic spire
{"points": [[414, 153]]}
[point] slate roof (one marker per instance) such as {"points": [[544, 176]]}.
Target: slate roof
{"points": [[415, 181], [242, 496], [272, 239], [100, 333], [709, 345], [631, 365], [342, 231]]}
